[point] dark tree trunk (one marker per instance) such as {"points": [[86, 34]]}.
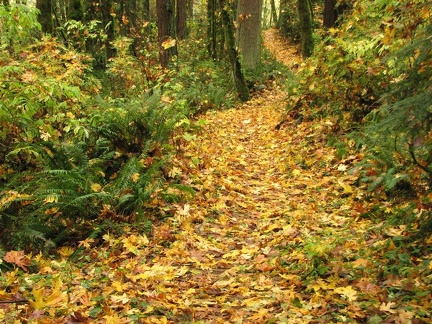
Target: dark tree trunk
{"points": [[166, 31], [181, 19], [305, 15], [330, 13], [45, 17], [108, 23], [228, 25]]}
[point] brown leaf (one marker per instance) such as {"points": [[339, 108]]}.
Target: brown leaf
{"points": [[18, 258]]}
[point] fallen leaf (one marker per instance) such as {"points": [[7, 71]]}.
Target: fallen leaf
{"points": [[18, 258]]}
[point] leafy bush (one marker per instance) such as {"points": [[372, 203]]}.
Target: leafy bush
{"points": [[19, 25], [69, 158], [349, 72], [109, 173], [399, 133]]}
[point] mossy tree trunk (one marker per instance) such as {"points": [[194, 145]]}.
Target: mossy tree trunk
{"points": [[232, 53], [249, 33], [273, 12], [306, 28], [108, 22]]}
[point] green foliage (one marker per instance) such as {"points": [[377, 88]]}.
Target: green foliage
{"points": [[400, 132], [349, 72], [18, 25], [42, 92], [70, 159], [126, 74], [372, 75], [78, 152], [80, 35]]}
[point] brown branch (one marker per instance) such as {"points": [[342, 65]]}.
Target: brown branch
{"points": [[18, 301]]}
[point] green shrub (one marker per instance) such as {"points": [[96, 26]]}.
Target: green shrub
{"points": [[401, 129]]}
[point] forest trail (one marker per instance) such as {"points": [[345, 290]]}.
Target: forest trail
{"points": [[268, 238], [261, 195]]}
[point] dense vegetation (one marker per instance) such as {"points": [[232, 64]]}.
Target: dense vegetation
{"points": [[370, 78], [100, 149], [82, 147]]}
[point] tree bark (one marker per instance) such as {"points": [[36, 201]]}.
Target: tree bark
{"points": [[166, 31], [249, 33], [305, 15], [330, 13], [182, 19], [146, 10], [75, 10], [239, 80]]}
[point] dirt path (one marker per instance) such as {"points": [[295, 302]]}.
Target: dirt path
{"points": [[227, 239], [225, 258], [281, 49], [257, 200]]}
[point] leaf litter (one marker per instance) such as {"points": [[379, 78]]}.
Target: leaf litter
{"points": [[275, 234]]}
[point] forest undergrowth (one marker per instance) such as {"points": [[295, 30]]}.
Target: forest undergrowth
{"points": [[278, 232]]}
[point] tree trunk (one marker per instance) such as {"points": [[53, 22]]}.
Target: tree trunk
{"points": [[181, 19], [108, 23], [166, 31], [249, 33], [273, 12], [228, 25], [305, 15], [45, 15], [330, 13]]}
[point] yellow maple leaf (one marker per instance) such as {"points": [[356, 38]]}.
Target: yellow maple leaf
{"points": [[56, 297], [296, 172], [135, 177], [118, 286], [170, 42], [348, 292], [113, 319], [260, 315], [86, 243], [65, 251], [123, 299], [38, 301], [388, 307]]}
